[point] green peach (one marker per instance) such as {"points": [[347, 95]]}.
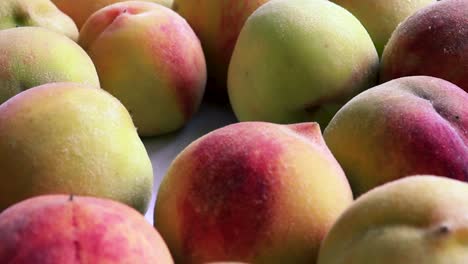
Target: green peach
{"points": [[68, 138], [32, 56], [381, 17], [38, 13], [299, 60], [415, 220]]}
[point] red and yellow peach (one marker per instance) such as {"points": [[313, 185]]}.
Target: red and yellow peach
{"points": [[81, 10], [251, 192], [149, 58], [431, 42], [59, 229], [407, 126]]}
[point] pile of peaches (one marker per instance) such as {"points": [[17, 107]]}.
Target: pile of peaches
{"points": [[351, 145]]}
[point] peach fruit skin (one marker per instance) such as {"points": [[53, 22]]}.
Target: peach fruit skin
{"points": [[412, 125], [40, 13], [290, 63], [59, 229], [433, 41], [150, 59], [217, 24], [32, 56], [381, 17], [418, 219], [67, 138], [81, 10], [251, 192]]}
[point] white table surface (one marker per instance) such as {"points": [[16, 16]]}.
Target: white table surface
{"points": [[162, 150]]}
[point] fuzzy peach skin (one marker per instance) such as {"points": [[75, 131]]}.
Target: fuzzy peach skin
{"points": [[381, 17], [68, 138], [32, 56], [433, 41], [251, 192], [58, 229], [40, 13], [412, 125], [217, 24], [81, 10], [150, 59], [299, 60], [415, 220]]}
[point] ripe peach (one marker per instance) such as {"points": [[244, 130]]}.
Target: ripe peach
{"points": [[68, 138], [32, 56], [149, 58], [412, 125], [81, 10], [431, 42], [251, 192], [217, 24], [59, 229], [415, 220]]}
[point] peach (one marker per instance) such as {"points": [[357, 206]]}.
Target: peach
{"points": [[32, 56], [294, 63], [251, 192], [81, 10], [431, 42], [59, 229], [217, 24], [68, 138], [411, 125], [381, 17], [148, 57], [40, 13], [415, 220]]}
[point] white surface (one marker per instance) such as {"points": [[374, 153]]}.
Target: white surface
{"points": [[162, 150]]}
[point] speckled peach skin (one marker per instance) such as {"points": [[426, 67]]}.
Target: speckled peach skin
{"points": [[217, 24], [57, 229], [81, 10], [149, 58], [69, 138], [431, 42], [299, 61], [251, 192], [32, 56], [412, 125], [418, 219]]}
